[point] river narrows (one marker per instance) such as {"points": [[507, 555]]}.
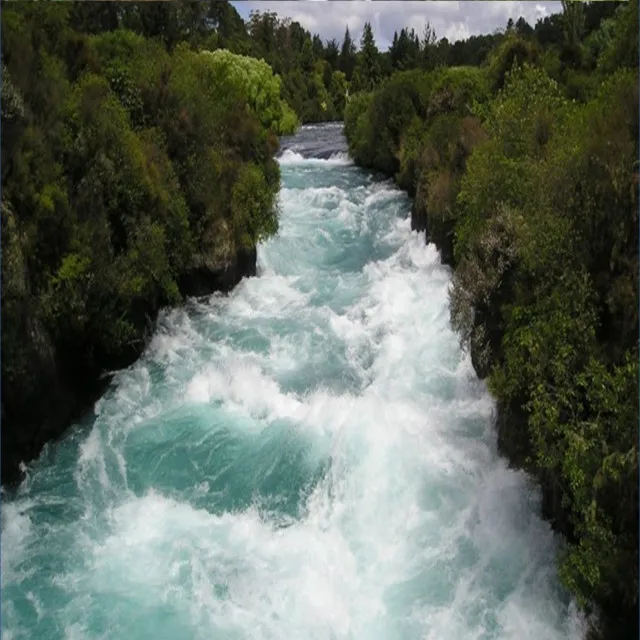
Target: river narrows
{"points": [[310, 457]]}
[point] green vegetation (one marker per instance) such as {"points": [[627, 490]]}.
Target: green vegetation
{"points": [[138, 144], [137, 167], [313, 81], [525, 175]]}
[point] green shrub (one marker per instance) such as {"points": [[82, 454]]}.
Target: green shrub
{"points": [[127, 165], [525, 175], [513, 51], [261, 88]]}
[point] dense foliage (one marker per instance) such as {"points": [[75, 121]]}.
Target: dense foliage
{"points": [[525, 175], [138, 144], [128, 170], [312, 72], [313, 81]]}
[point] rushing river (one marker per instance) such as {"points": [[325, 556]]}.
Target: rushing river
{"points": [[310, 457]]}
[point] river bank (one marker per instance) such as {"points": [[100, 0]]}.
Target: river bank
{"points": [[310, 455], [67, 393], [510, 183]]}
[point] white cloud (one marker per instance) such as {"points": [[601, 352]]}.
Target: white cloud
{"points": [[451, 19], [457, 31]]}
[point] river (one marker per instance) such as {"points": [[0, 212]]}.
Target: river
{"points": [[310, 457]]}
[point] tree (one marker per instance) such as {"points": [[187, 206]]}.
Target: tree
{"points": [[549, 30], [572, 21], [441, 52], [307, 58], [367, 73], [429, 55], [405, 50], [573, 29], [347, 56], [332, 54], [94, 18], [318, 47], [261, 87], [523, 28], [338, 92], [228, 25]]}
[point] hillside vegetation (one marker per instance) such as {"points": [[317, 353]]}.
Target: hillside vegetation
{"points": [[524, 172], [133, 174]]}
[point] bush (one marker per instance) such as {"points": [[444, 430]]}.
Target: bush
{"points": [[356, 128], [536, 307], [513, 51], [525, 175], [261, 89], [128, 166]]}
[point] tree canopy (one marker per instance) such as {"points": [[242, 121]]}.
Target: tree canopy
{"points": [[132, 163], [524, 171]]}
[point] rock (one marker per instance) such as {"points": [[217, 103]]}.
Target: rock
{"points": [[203, 279], [418, 217], [38, 405], [440, 233]]}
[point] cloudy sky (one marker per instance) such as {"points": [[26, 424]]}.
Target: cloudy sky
{"points": [[454, 20]]}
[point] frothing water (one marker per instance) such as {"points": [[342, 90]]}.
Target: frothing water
{"points": [[310, 457]]}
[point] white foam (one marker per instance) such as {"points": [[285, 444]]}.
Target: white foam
{"points": [[290, 157], [17, 530], [407, 532], [339, 125]]}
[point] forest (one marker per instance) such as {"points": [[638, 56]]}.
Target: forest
{"points": [[138, 168], [524, 172]]}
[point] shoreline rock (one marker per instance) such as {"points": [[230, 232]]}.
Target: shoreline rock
{"points": [[61, 391], [510, 421]]}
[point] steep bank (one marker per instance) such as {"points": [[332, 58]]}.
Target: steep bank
{"points": [[60, 390], [532, 196], [132, 176], [310, 456]]}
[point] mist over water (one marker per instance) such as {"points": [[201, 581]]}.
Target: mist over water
{"points": [[310, 457]]}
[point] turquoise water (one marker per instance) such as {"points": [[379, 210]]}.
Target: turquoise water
{"points": [[309, 457]]}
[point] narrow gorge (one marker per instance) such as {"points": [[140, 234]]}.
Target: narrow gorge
{"points": [[310, 456]]}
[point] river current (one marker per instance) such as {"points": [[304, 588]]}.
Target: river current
{"points": [[309, 457]]}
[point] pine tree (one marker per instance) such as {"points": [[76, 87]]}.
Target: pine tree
{"points": [[347, 55], [394, 52], [332, 54], [429, 48], [307, 58], [318, 47], [368, 66]]}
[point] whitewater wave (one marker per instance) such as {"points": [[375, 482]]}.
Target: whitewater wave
{"points": [[290, 157], [310, 456]]}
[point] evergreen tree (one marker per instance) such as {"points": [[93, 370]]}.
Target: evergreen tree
{"points": [[394, 52], [367, 73], [332, 54], [573, 29], [429, 48], [405, 50], [307, 58], [523, 28], [347, 56], [318, 47]]}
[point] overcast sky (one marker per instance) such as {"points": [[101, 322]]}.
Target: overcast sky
{"points": [[453, 20]]}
